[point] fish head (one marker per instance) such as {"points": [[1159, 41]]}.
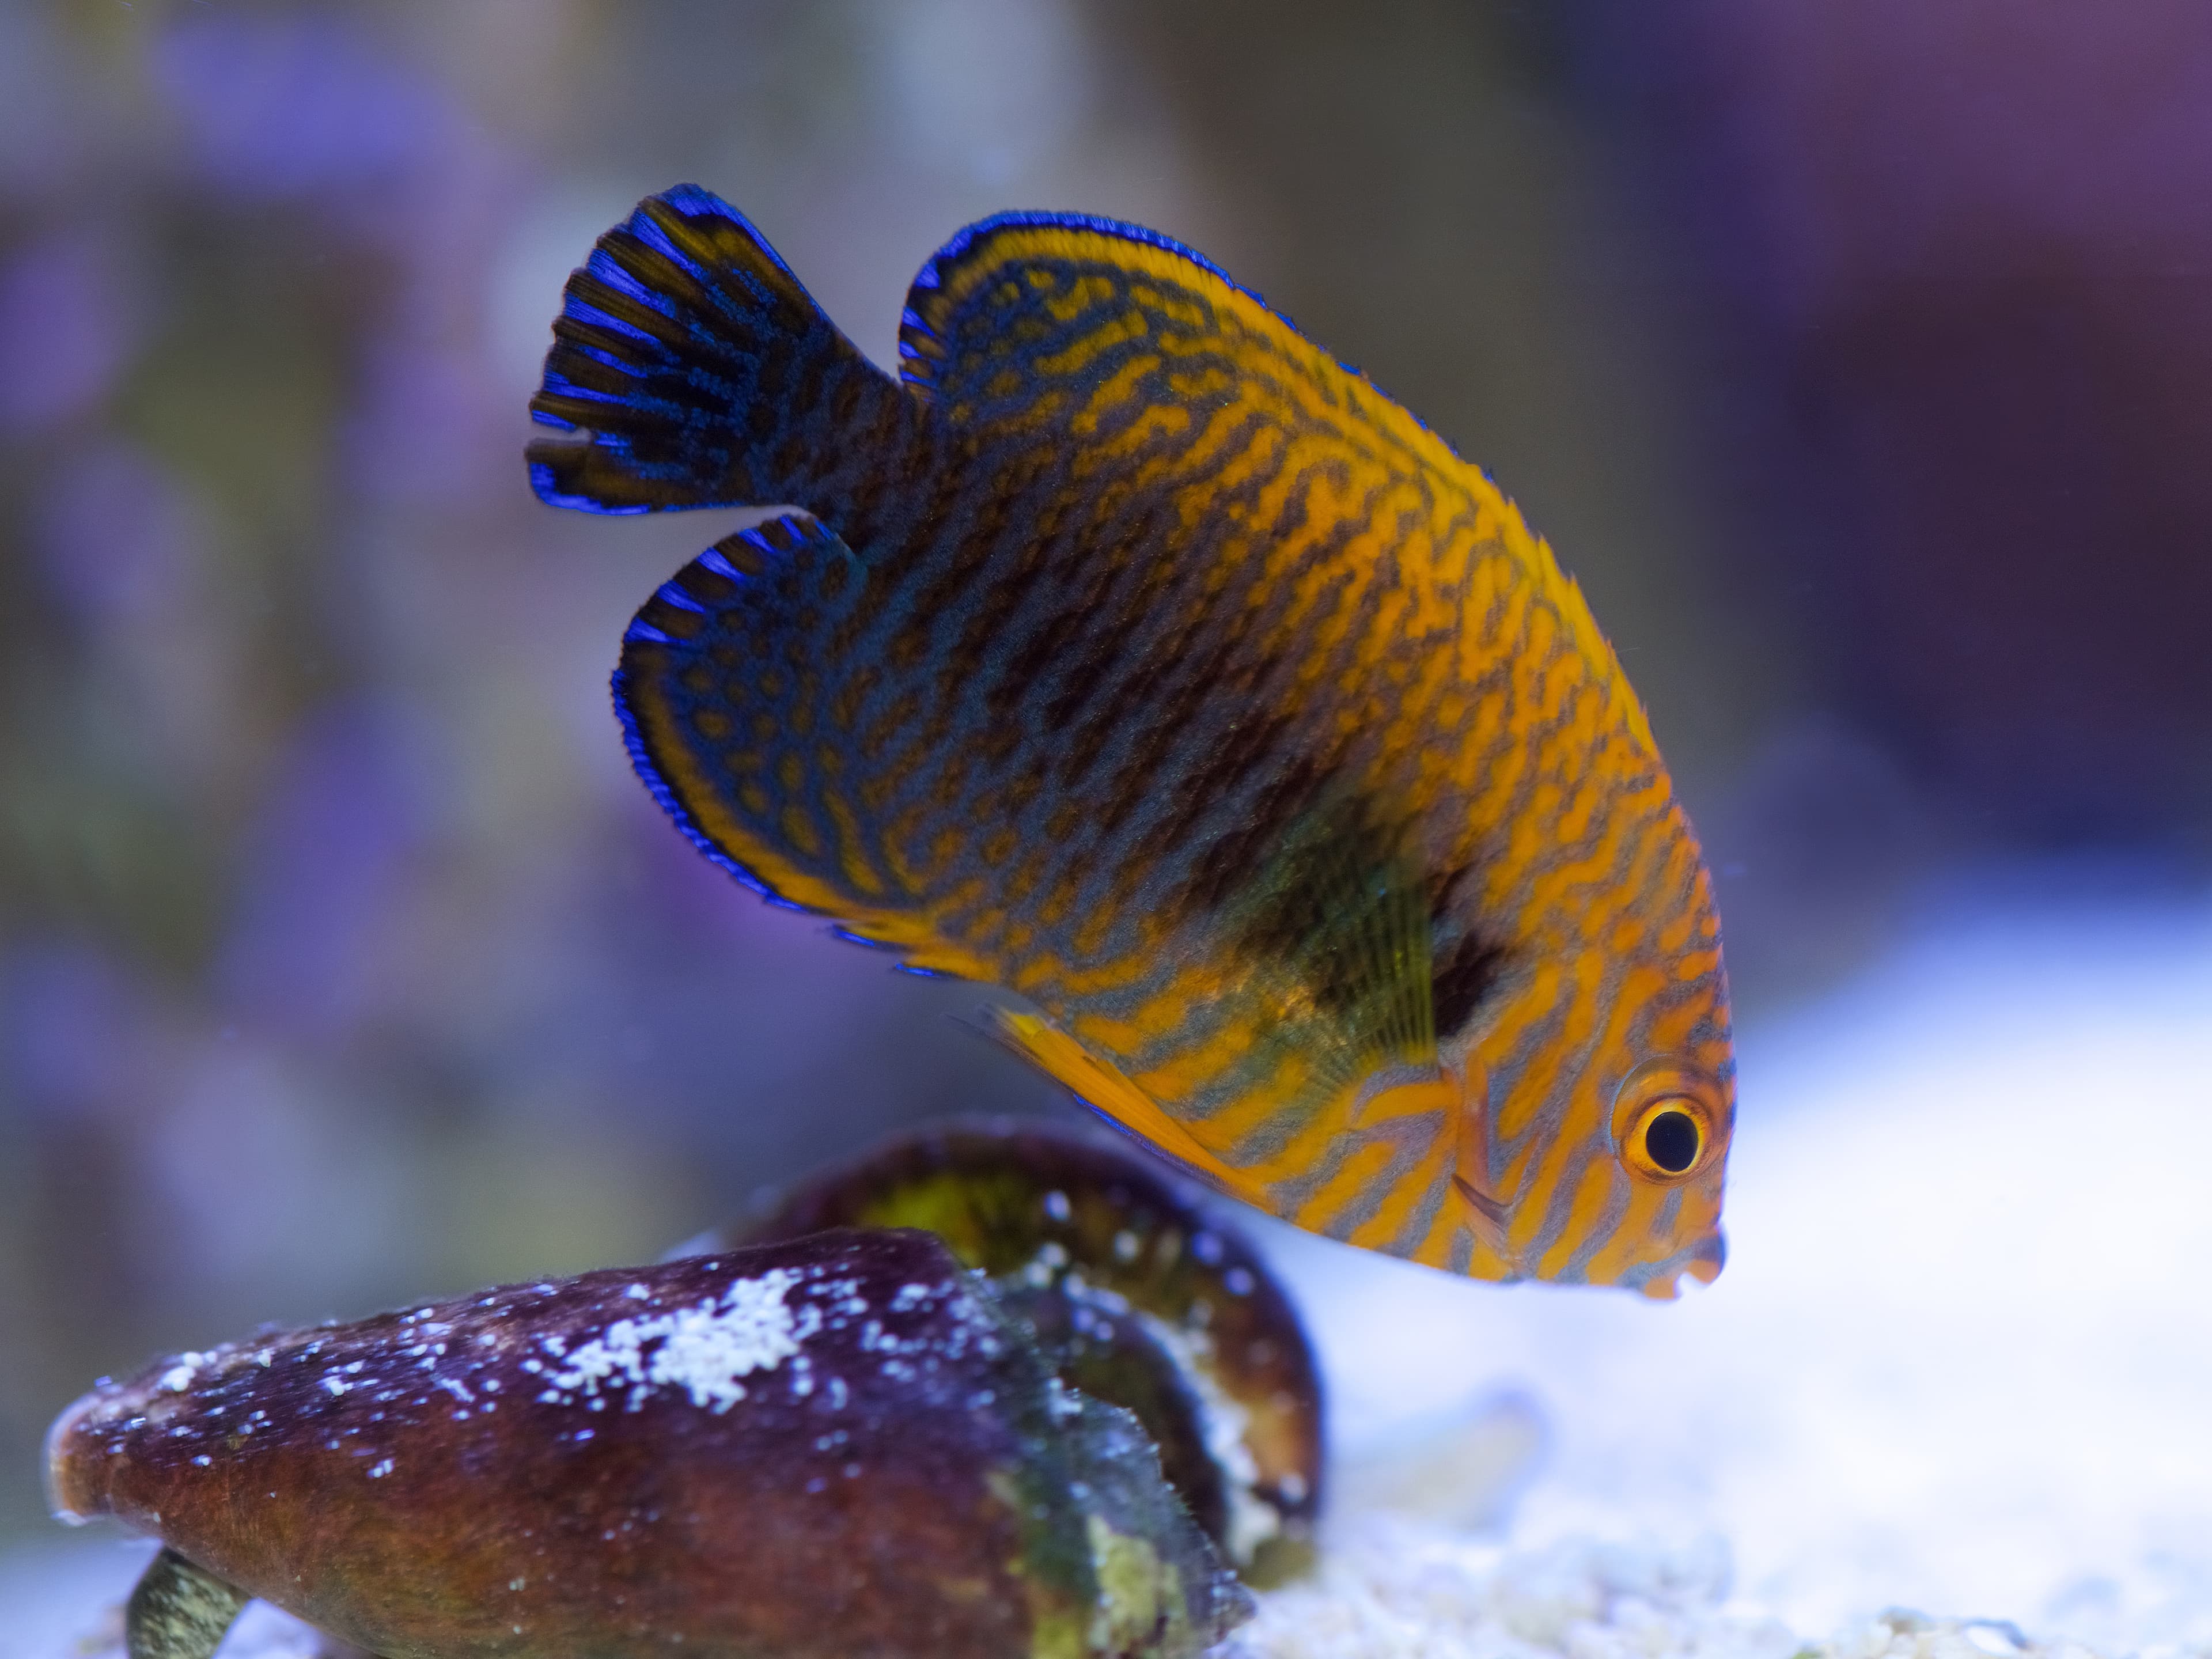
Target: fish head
{"points": [[1599, 1103]]}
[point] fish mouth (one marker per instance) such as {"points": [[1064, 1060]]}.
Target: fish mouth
{"points": [[1701, 1261]]}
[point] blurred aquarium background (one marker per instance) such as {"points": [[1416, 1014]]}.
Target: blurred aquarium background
{"points": [[1857, 359]]}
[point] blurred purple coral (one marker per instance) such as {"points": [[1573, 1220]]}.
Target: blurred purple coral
{"points": [[281, 107], [323, 870], [65, 330], [114, 530], [71, 1020]]}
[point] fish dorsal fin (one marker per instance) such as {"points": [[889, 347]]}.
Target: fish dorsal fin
{"points": [[1014, 280], [1031, 317]]}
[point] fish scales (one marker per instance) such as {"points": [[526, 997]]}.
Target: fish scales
{"points": [[1133, 654]]}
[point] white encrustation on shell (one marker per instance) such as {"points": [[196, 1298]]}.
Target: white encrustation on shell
{"points": [[703, 1349]]}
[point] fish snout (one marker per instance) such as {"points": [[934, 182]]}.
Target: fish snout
{"points": [[1709, 1258], [1701, 1261]]}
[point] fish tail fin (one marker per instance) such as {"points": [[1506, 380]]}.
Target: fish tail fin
{"points": [[697, 372]]}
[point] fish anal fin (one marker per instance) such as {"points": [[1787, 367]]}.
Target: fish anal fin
{"points": [[727, 682], [1101, 1086]]}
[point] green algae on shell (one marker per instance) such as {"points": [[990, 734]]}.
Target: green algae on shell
{"points": [[1137, 1295], [827, 1446]]}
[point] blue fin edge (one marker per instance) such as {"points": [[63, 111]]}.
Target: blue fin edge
{"points": [[927, 276], [962, 240], [648, 774]]}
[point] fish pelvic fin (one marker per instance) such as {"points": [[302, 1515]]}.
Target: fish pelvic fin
{"points": [[1101, 1086], [691, 368]]}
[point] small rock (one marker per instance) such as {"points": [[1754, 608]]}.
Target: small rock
{"points": [[821, 1447], [1137, 1295]]}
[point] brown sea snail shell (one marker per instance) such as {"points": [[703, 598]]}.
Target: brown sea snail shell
{"points": [[819, 1447], [1137, 1294]]}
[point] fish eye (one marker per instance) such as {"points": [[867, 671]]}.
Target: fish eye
{"points": [[1671, 1138], [1664, 1123]]}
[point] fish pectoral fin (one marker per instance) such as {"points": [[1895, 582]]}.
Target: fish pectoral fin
{"points": [[1105, 1090]]}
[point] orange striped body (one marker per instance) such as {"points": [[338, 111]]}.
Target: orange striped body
{"points": [[1138, 657]]}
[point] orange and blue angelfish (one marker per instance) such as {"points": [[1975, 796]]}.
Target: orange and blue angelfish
{"points": [[1130, 653]]}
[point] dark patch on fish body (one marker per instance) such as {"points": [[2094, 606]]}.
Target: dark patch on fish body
{"points": [[1466, 978]]}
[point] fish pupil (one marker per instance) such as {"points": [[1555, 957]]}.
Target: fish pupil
{"points": [[1670, 1140]]}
